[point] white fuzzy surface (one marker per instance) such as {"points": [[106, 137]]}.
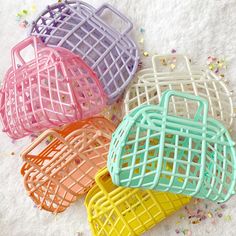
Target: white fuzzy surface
{"points": [[198, 28]]}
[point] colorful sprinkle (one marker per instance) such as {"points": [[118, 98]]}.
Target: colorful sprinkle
{"points": [[142, 30]]}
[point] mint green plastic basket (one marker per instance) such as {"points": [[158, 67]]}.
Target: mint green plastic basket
{"points": [[154, 150]]}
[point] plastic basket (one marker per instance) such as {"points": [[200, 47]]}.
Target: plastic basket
{"points": [[55, 175], [154, 150], [114, 210], [149, 85], [54, 88], [80, 28]]}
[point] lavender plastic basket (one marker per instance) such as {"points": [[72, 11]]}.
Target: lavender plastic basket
{"points": [[79, 27]]}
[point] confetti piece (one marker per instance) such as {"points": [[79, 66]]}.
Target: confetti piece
{"points": [[12, 153], [163, 62], [146, 54], [227, 218], [209, 214], [24, 24], [223, 206], [173, 51], [177, 231], [142, 30], [141, 41], [172, 66]]}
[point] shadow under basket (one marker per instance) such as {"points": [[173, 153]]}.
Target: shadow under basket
{"points": [[116, 211], [89, 32], [152, 149], [53, 88], [149, 85], [56, 173]]}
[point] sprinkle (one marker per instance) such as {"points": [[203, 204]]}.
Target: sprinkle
{"points": [[209, 214], [228, 218], [12, 153], [33, 7], [142, 30], [146, 54], [173, 51], [177, 222], [177, 231], [141, 41], [172, 66], [24, 24], [223, 206], [220, 215], [140, 64], [187, 232], [196, 222], [163, 62], [211, 67]]}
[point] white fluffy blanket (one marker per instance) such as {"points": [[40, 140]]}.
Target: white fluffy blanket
{"points": [[198, 28]]}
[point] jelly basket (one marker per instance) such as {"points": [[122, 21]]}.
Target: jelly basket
{"points": [[57, 173], [115, 211], [152, 149], [149, 85], [79, 27], [54, 88]]}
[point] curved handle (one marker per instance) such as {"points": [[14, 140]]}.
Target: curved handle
{"points": [[156, 60], [15, 52], [38, 141], [71, 4], [117, 13], [98, 178], [202, 110]]}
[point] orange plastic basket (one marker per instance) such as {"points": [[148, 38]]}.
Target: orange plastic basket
{"points": [[116, 211], [56, 175]]}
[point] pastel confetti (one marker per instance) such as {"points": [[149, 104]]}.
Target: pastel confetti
{"points": [[142, 30]]}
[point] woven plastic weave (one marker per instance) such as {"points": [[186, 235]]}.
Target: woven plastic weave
{"points": [[77, 26], [116, 211], [57, 173], [54, 88], [152, 149], [149, 84]]}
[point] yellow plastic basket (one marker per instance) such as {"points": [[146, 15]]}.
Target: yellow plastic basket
{"points": [[115, 211]]}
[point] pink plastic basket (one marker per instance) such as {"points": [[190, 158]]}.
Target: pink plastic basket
{"points": [[79, 27], [54, 88]]}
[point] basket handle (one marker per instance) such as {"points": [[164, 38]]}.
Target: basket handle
{"points": [[98, 178], [38, 140], [16, 51], [117, 13], [202, 110], [156, 60]]}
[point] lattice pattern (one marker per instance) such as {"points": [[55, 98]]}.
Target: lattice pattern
{"points": [[116, 211], [154, 150], [79, 27], [54, 88], [56, 175], [149, 85]]}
